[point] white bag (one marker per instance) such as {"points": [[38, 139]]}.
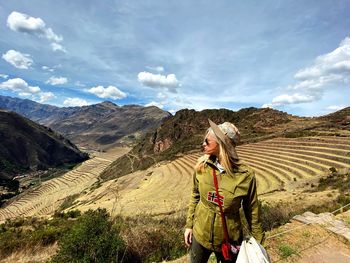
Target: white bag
{"points": [[252, 252]]}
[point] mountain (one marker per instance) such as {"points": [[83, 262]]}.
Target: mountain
{"points": [[94, 126], [184, 132], [26, 145]]}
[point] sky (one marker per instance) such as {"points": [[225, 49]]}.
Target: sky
{"points": [[290, 55]]}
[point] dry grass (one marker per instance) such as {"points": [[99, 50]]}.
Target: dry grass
{"points": [[36, 254]]}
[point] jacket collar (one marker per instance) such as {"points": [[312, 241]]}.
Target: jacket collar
{"points": [[212, 160]]}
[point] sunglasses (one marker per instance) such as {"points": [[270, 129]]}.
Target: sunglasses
{"points": [[206, 141]]}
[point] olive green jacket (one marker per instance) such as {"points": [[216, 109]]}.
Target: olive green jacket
{"points": [[204, 213]]}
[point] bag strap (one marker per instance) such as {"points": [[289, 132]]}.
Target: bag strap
{"points": [[220, 206]]}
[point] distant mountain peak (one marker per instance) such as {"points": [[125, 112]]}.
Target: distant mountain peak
{"points": [[91, 126], [107, 103]]}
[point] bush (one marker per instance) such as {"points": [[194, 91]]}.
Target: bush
{"points": [[47, 235], [93, 238], [286, 250], [25, 234], [275, 216], [153, 240], [68, 201], [69, 214]]}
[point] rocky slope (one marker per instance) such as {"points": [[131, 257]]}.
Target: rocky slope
{"points": [[26, 145], [94, 126], [184, 132]]}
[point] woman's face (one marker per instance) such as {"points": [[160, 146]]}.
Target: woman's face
{"points": [[210, 146]]}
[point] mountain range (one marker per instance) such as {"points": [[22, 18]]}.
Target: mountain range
{"points": [[95, 126], [185, 131]]}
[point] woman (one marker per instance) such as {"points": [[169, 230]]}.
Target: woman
{"points": [[236, 185]]}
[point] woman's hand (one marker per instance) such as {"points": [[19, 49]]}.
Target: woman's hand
{"points": [[188, 236]]}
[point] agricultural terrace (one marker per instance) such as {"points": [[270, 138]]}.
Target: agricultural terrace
{"points": [[46, 198], [165, 188]]}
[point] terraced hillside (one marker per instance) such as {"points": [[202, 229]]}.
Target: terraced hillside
{"points": [[165, 189], [279, 161], [160, 190], [47, 197]]}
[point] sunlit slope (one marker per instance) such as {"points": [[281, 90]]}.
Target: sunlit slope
{"points": [[166, 189], [282, 160], [47, 197]]}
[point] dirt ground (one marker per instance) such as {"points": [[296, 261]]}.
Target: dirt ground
{"points": [[306, 244]]}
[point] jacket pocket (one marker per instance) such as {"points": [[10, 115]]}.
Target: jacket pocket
{"points": [[232, 201]]}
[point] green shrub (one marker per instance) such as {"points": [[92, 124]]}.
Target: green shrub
{"points": [[47, 235], [12, 240], [69, 214], [343, 199], [93, 238], [286, 250], [25, 234], [68, 201]]}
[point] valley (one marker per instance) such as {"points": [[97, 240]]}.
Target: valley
{"points": [[46, 198], [147, 185], [283, 166]]}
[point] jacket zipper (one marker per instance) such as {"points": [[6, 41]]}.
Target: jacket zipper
{"points": [[212, 230]]}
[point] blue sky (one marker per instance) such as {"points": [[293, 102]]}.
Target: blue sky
{"points": [[289, 55]]}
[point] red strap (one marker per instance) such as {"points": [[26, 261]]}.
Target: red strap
{"points": [[220, 206]]}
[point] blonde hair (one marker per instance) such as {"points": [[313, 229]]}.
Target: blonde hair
{"points": [[225, 159]]}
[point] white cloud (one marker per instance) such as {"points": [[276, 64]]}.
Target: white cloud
{"points": [[158, 68], [46, 68], [4, 76], [25, 94], [72, 102], [109, 92], [333, 108], [58, 47], [45, 96], [172, 111], [161, 96], [159, 81], [294, 98], [153, 103], [318, 83], [23, 89], [57, 80], [17, 59], [328, 70], [20, 86], [335, 62], [24, 23]]}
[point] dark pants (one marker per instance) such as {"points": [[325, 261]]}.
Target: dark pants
{"points": [[200, 254]]}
